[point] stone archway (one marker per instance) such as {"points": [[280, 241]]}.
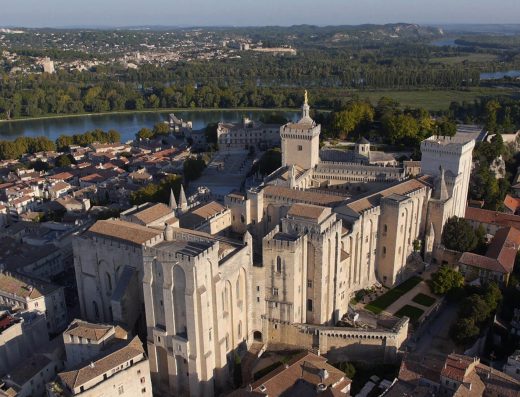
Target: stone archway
{"points": [[257, 336]]}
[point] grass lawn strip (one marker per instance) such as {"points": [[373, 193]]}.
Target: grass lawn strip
{"points": [[410, 311], [424, 300], [385, 300]]}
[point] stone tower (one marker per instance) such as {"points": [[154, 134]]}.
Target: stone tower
{"points": [[301, 141], [449, 158], [363, 147]]}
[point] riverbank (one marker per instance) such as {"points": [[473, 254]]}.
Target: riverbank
{"points": [[144, 111], [128, 123]]}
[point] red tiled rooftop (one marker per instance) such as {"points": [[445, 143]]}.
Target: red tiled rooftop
{"points": [[492, 217]]}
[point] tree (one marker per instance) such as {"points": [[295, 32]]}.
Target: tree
{"points": [[491, 109], [144, 133], [464, 330], [161, 129], [40, 165], [458, 235], [476, 308], [492, 296], [351, 118], [63, 142], [63, 161], [400, 127], [193, 168], [270, 161], [445, 280], [446, 127], [154, 193]]}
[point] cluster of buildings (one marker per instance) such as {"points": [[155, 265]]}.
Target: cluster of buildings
{"points": [[276, 264], [128, 50], [173, 295]]}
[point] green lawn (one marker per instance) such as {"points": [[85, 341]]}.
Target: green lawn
{"points": [[424, 300], [432, 100], [410, 311], [381, 303]]}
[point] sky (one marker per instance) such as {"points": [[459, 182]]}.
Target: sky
{"points": [[66, 13]]}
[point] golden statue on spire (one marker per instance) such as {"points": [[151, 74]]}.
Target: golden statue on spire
{"points": [[306, 98]]}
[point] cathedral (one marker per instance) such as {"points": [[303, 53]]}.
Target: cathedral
{"points": [[277, 263]]}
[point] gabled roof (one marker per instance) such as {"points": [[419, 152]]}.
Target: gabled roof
{"points": [[492, 217], [307, 211], [302, 374], [25, 287], [91, 331], [501, 253], [153, 213], [374, 200], [125, 231], [512, 203], [77, 378]]}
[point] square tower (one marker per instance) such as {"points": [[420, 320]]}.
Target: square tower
{"points": [[452, 154], [301, 141]]}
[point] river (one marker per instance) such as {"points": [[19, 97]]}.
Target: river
{"points": [[126, 123], [514, 74]]}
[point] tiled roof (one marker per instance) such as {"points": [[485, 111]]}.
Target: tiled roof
{"points": [[307, 211], [457, 366], [79, 377], [196, 217], [25, 287], [374, 200], [153, 213], [498, 383], [61, 176], [303, 196], [492, 217], [125, 231], [501, 253], [59, 186], [482, 262], [308, 367], [513, 203], [208, 210], [504, 247], [29, 368], [83, 329]]}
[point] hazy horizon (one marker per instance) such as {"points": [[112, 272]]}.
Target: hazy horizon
{"points": [[229, 13]]}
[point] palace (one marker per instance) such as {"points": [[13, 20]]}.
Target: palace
{"points": [[276, 264]]}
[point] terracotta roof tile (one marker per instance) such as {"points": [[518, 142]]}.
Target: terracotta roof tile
{"points": [[513, 203], [151, 214], [307, 211], [303, 196], [79, 377], [25, 287], [492, 217], [125, 231], [83, 329], [374, 200]]}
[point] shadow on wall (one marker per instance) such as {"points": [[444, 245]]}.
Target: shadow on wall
{"points": [[363, 353]]}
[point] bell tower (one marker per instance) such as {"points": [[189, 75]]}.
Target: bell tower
{"points": [[301, 140]]}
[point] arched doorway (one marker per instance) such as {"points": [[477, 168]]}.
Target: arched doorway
{"points": [[257, 336]]}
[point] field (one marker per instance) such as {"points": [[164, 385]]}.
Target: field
{"points": [[432, 100], [385, 300], [424, 300], [410, 311]]}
